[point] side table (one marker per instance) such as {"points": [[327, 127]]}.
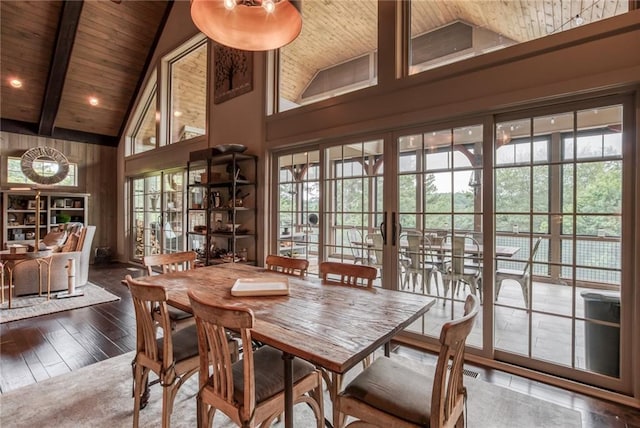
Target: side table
{"points": [[8, 262]]}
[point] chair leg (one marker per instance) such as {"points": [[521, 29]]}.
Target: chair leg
{"points": [[498, 286], [139, 382]]}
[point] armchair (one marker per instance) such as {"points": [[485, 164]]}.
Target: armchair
{"points": [[25, 276]]}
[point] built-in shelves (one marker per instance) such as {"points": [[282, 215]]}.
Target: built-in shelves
{"points": [[20, 211]]}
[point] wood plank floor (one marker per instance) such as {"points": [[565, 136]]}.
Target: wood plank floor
{"points": [[36, 349]]}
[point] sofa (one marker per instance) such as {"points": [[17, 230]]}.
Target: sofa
{"points": [[25, 276]]}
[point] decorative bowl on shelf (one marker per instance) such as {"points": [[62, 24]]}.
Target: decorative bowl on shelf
{"points": [[230, 148]]}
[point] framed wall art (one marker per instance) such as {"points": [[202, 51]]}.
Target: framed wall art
{"points": [[233, 73]]}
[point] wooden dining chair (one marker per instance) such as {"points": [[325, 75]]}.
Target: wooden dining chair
{"points": [[522, 277], [347, 274], [173, 262], [173, 357], [250, 391], [390, 394], [287, 265]]}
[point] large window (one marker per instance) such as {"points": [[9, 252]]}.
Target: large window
{"points": [[187, 89], [142, 136], [43, 168], [443, 32], [335, 53]]}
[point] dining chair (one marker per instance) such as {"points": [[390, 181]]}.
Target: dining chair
{"points": [[173, 262], [173, 357], [250, 391], [347, 274], [391, 394], [287, 265], [344, 274], [463, 266], [523, 277]]}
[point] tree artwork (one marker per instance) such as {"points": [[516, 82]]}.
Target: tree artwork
{"points": [[233, 73]]}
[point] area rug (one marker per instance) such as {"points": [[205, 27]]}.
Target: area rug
{"points": [[34, 306], [100, 396]]}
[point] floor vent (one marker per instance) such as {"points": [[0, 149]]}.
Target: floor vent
{"points": [[468, 372]]}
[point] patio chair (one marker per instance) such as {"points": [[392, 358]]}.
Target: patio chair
{"points": [[523, 277], [250, 391], [463, 266], [376, 252], [173, 357], [287, 265], [419, 262], [356, 244], [391, 394], [173, 262]]}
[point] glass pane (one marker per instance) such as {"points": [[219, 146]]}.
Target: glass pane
{"points": [[599, 187], [315, 67], [144, 135], [188, 94], [513, 189], [511, 327], [552, 339], [448, 32]]}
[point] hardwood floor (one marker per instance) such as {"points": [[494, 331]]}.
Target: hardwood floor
{"points": [[36, 349]]}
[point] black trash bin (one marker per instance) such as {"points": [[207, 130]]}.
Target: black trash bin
{"points": [[602, 341]]}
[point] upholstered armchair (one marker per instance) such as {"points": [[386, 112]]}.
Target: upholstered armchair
{"points": [[25, 277]]}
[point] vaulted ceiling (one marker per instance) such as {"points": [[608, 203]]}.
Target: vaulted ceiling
{"points": [[67, 52]]}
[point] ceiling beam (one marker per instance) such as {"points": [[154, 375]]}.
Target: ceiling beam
{"points": [[67, 26]]}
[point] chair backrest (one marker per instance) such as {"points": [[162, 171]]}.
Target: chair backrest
{"points": [[150, 305], [287, 265], [348, 274], [170, 262], [212, 321], [448, 394], [414, 250], [376, 239], [355, 236], [528, 267], [464, 250]]}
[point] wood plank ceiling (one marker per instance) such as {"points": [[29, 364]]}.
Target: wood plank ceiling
{"points": [[66, 52]]}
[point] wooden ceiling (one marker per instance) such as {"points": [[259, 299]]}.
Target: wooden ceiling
{"points": [[65, 52], [68, 51]]}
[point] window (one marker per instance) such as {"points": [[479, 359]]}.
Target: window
{"points": [[331, 56], [187, 89], [444, 32], [45, 168], [143, 135]]}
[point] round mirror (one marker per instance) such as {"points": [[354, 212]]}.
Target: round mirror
{"points": [[56, 165]]}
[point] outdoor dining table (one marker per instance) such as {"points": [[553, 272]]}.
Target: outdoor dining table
{"points": [[334, 327], [500, 250]]}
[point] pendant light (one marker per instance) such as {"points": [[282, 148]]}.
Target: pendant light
{"points": [[250, 25]]}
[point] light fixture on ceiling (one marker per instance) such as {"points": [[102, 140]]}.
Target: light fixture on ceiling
{"points": [[16, 83], [93, 101], [249, 25]]}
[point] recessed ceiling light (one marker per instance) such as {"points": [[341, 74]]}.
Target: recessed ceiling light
{"points": [[16, 83], [93, 101], [177, 113]]}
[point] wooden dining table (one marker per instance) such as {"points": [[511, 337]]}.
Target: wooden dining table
{"points": [[331, 326]]}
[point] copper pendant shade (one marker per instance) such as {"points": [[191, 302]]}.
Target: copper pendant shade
{"points": [[248, 26]]}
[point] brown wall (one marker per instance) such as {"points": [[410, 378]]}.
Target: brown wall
{"points": [[96, 176]]}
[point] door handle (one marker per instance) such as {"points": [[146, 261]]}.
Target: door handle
{"points": [[383, 228]]}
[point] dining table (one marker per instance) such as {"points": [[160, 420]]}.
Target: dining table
{"points": [[332, 326]]}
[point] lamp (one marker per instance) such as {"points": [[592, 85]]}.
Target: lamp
{"points": [[250, 25]]}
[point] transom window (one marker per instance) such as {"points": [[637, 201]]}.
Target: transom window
{"points": [[42, 167]]}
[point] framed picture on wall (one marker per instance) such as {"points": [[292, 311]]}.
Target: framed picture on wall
{"points": [[233, 73]]}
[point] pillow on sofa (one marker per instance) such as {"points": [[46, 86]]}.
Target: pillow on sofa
{"points": [[71, 244], [55, 240]]}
